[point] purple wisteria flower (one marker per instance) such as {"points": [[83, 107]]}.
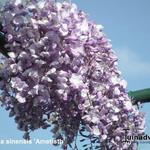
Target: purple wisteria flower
{"points": [[62, 70]]}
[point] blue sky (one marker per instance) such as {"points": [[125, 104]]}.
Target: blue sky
{"points": [[127, 24]]}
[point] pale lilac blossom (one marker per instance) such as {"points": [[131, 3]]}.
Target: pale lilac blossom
{"points": [[62, 66]]}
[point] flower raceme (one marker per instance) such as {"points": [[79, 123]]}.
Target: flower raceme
{"points": [[62, 68]]}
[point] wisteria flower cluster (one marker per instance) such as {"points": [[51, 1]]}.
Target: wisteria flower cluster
{"points": [[62, 69]]}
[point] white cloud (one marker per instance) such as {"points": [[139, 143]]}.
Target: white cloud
{"points": [[132, 63]]}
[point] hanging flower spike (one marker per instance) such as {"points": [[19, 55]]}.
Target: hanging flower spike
{"points": [[62, 70]]}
